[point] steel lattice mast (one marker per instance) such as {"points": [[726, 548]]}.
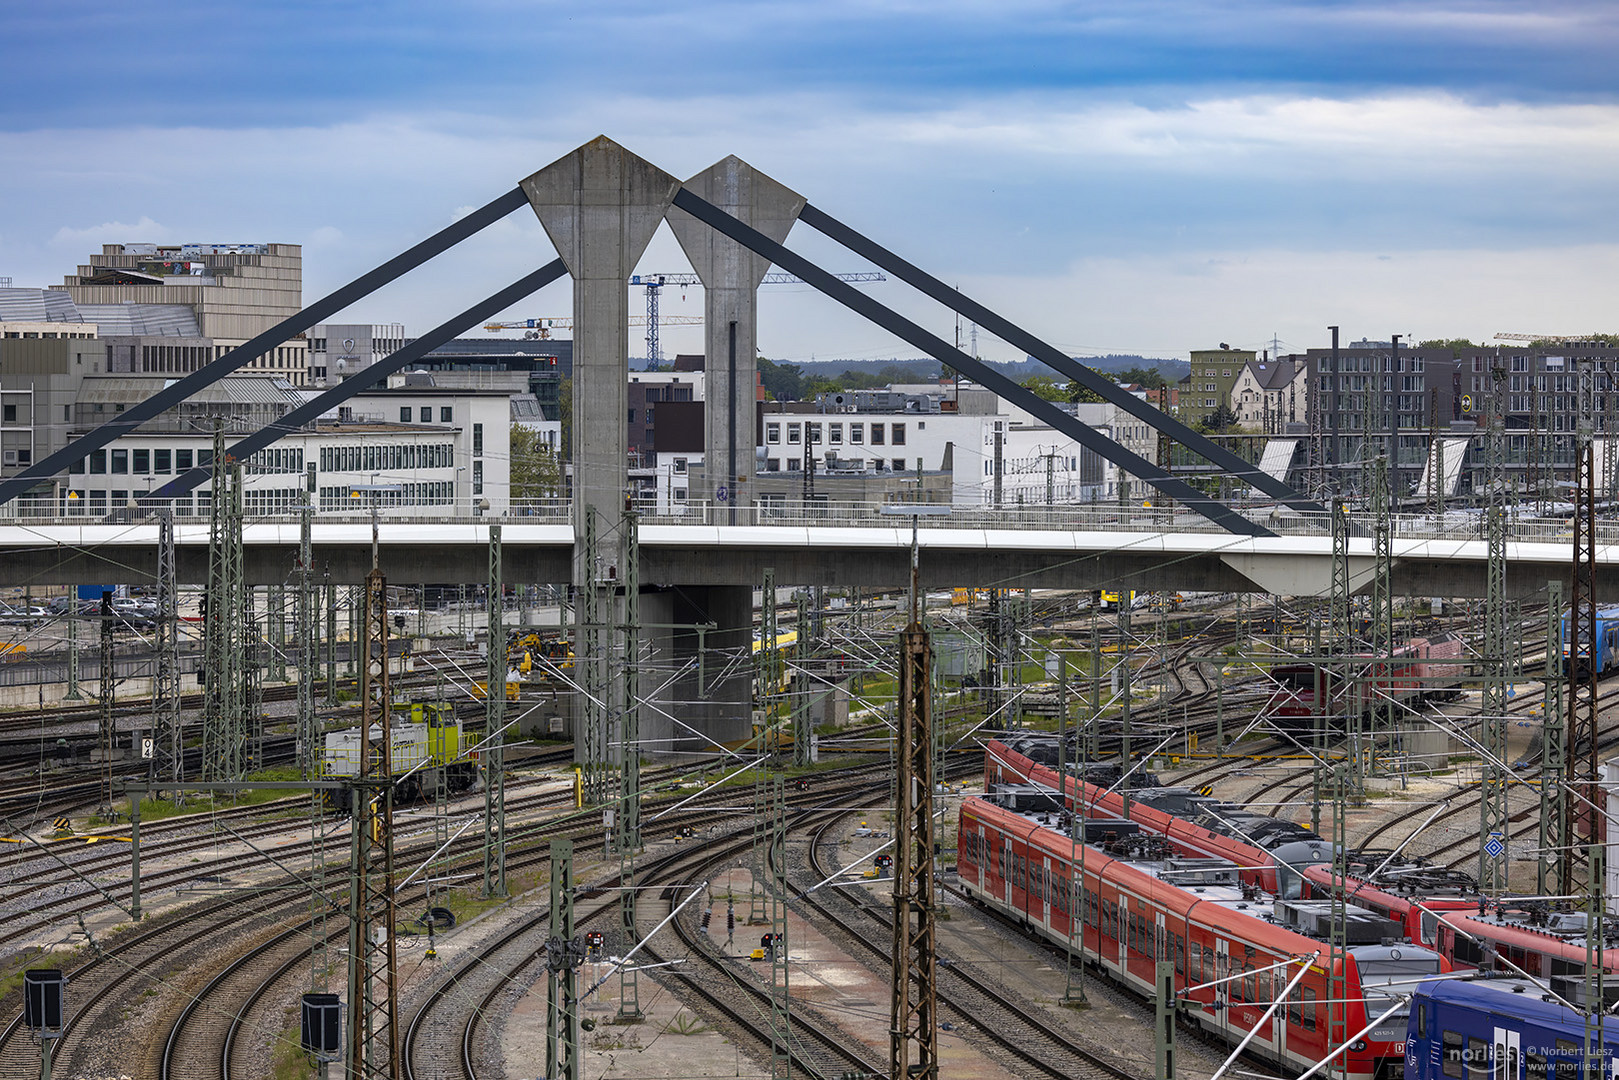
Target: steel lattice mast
{"points": [[1583, 766], [167, 748], [914, 1045], [373, 1033], [494, 699], [1549, 880]]}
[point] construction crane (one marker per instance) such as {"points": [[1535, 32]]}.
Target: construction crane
{"points": [[541, 328], [655, 283], [1545, 337]]}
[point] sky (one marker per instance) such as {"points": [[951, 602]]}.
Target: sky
{"points": [[1141, 176]]}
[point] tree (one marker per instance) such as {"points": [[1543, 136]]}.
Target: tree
{"points": [[536, 469], [1455, 345], [1083, 395], [565, 414], [1221, 419], [1149, 377], [1044, 386]]}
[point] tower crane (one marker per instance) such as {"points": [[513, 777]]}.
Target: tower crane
{"points": [[541, 328], [655, 283], [1559, 338]]}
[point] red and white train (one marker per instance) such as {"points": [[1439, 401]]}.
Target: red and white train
{"points": [[1233, 954], [1268, 852], [1435, 909]]}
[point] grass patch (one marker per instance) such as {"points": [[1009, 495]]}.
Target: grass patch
{"points": [[154, 808], [288, 1060]]}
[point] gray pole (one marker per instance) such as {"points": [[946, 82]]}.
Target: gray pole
{"points": [[135, 853], [1164, 1032]]}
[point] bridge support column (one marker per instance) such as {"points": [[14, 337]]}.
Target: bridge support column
{"points": [[731, 274], [706, 634], [600, 206]]}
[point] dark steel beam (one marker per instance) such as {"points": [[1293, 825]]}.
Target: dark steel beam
{"points": [[1052, 357], [367, 376], [947, 354], [362, 286]]}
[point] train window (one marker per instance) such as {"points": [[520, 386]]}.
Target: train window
{"points": [[1248, 983], [1430, 928], [1478, 1057], [1569, 1054], [1297, 1015], [1180, 955], [1453, 1051], [1422, 1020], [1536, 1065]]}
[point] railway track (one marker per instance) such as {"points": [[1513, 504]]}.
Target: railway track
{"points": [[997, 1013]]}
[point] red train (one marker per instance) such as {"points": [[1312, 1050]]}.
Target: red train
{"points": [[1424, 669], [1197, 914], [1270, 853], [1434, 907]]}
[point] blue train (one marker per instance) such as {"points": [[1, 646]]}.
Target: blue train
{"points": [[1607, 645], [1500, 1028]]}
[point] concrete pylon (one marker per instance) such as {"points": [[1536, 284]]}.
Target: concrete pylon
{"points": [[731, 274], [600, 206]]}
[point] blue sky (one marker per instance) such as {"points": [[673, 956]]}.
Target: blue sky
{"points": [[1119, 177]]}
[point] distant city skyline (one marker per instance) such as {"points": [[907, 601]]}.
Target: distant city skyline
{"points": [[1118, 177]]}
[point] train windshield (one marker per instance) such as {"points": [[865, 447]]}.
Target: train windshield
{"points": [[1383, 980]]}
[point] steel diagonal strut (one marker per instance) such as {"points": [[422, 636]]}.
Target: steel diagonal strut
{"points": [[936, 347], [366, 377], [209, 374], [1051, 356]]}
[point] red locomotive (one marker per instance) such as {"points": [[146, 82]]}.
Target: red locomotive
{"points": [[1424, 669]]}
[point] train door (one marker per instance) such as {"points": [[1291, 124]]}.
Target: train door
{"points": [[1222, 968], [1045, 888], [1508, 1059], [1160, 946]]}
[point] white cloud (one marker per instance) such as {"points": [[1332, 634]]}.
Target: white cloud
{"points": [[86, 239]]}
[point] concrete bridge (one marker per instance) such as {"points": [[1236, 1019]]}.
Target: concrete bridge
{"points": [[865, 546]]}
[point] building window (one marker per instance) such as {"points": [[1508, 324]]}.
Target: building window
{"points": [[899, 435], [772, 433], [446, 414], [857, 433], [477, 478], [876, 434], [899, 464], [404, 414], [427, 414], [793, 464], [794, 434], [773, 464], [813, 431], [680, 466], [120, 461], [143, 462], [11, 414], [477, 440], [162, 461], [834, 434], [182, 460]]}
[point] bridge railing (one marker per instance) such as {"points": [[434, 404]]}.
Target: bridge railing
{"points": [[1108, 517]]}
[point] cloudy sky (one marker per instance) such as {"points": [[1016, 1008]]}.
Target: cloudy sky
{"points": [[1148, 176]]}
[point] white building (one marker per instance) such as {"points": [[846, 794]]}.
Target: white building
{"points": [[1270, 394], [404, 451]]}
